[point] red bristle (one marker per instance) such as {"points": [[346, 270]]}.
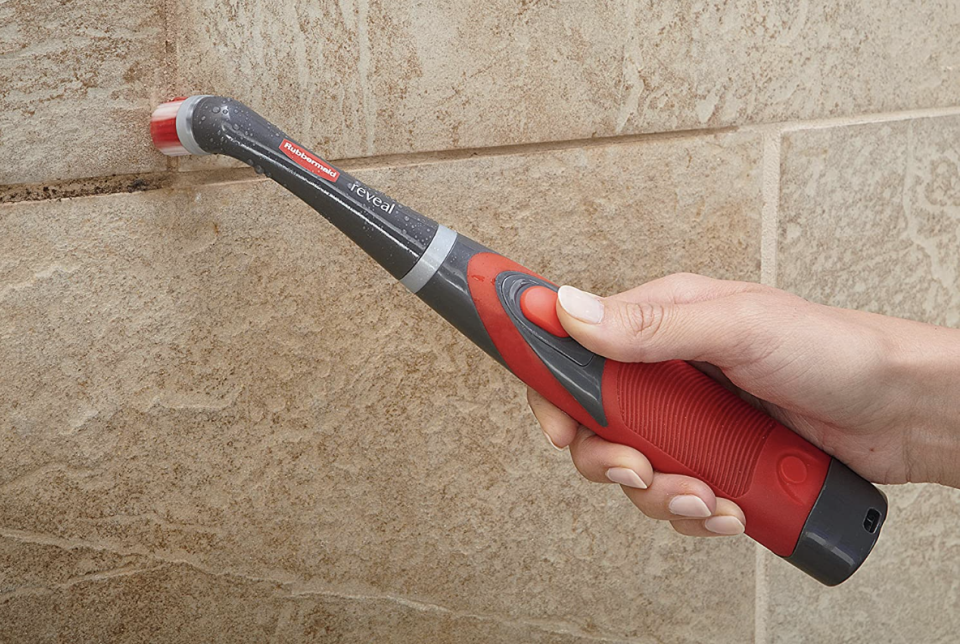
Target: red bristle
{"points": [[164, 132], [163, 128]]}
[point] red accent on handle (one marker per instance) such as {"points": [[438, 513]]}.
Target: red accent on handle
{"points": [[681, 419]]}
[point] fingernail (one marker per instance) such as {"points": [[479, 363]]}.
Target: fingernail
{"points": [[688, 505], [724, 524], [555, 446], [583, 306], [626, 476]]}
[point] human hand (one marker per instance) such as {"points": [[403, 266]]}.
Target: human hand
{"points": [[880, 394]]}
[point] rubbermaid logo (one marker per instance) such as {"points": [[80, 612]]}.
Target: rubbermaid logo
{"points": [[306, 160]]}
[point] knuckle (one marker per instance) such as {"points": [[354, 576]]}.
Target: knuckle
{"points": [[576, 446], [579, 466], [644, 505], [685, 528], [686, 286], [583, 467], [644, 320]]}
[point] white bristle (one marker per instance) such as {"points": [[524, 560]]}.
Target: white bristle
{"points": [[166, 111], [173, 150]]}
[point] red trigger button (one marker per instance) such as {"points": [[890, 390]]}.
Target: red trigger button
{"points": [[539, 305]]}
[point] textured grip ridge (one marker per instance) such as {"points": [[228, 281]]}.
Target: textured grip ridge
{"points": [[693, 419]]}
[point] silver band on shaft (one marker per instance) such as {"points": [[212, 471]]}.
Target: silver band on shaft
{"points": [[431, 260], [185, 125]]}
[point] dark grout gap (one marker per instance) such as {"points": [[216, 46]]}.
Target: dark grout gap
{"points": [[83, 187], [416, 158], [172, 178], [118, 184]]}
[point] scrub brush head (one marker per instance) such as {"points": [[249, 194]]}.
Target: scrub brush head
{"points": [[163, 128]]}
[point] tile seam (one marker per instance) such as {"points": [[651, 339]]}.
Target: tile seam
{"points": [[15, 194], [406, 159], [171, 63], [866, 119], [761, 596], [200, 178], [439, 156], [770, 190], [769, 247], [363, 69]]}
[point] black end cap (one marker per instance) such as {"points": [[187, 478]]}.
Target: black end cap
{"points": [[842, 527]]}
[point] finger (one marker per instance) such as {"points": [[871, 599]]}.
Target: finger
{"points": [[559, 428], [674, 496], [728, 520], [601, 461], [726, 331], [685, 288]]}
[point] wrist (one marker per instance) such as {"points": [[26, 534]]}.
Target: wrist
{"points": [[928, 364]]}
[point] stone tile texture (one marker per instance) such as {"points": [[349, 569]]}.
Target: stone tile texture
{"points": [[221, 422], [79, 80], [214, 409], [361, 78], [870, 219], [357, 78], [136, 599]]}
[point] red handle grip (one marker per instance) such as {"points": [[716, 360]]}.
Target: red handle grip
{"points": [[681, 419], [686, 423]]}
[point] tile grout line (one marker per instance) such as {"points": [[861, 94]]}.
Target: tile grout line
{"points": [[866, 119], [362, 9], [772, 155], [771, 137], [13, 193], [770, 215], [143, 182], [171, 62], [761, 596]]}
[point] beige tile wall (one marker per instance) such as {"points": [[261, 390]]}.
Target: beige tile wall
{"points": [[221, 422]]}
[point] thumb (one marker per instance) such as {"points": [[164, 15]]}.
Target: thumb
{"points": [[725, 331]]}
